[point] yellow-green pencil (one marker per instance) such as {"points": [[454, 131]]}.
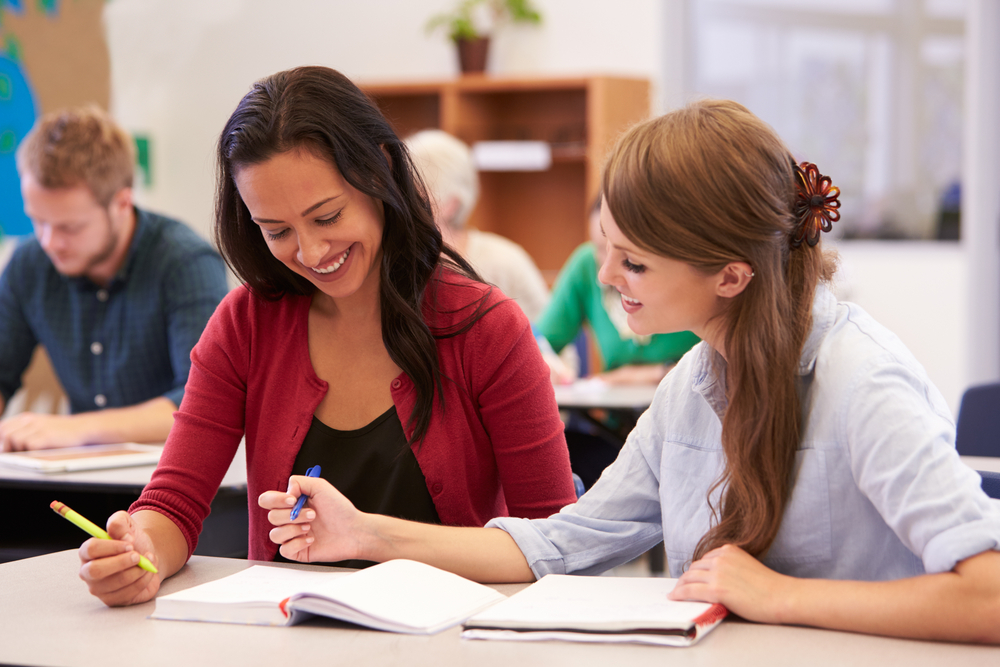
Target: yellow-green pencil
{"points": [[92, 529]]}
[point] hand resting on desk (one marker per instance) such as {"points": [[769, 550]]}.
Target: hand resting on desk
{"points": [[145, 422], [960, 605], [29, 430]]}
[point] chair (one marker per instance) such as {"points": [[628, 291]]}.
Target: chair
{"points": [[582, 352], [991, 483], [979, 421]]}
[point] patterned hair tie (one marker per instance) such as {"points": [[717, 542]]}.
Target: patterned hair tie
{"points": [[816, 204]]}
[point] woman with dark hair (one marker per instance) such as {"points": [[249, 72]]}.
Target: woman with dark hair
{"points": [[360, 344], [798, 464]]}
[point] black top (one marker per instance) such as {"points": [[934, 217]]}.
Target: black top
{"points": [[372, 466]]}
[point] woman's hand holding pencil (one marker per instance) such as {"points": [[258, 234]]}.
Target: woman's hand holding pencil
{"points": [[93, 529], [112, 568]]}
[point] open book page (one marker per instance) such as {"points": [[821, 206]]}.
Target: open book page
{"points": [[398, 596], [596, 609], [250, 596], [404, 596]]}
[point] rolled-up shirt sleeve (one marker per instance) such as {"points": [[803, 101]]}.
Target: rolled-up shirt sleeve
{"points": [[901, 440], [614, 522]]}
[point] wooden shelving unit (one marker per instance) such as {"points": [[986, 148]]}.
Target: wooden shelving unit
{"points": [[579, 117]]}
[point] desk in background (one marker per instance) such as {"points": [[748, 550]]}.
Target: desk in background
{"points": [[43, 595], [623, 402], [988, 463], [589, 394], [31, 528]]}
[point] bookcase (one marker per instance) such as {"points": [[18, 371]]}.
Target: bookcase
{"points": [[544, 211]]}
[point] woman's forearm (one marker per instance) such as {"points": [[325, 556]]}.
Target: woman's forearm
{"points": [[487, 555], [962, 605]]}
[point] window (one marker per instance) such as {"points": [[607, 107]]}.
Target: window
{"points": [[869, 90]]}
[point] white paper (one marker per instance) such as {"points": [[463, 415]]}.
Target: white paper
{"points": [[512, 155], [406, 596], [399, 596], [593, 609], [579, 637]]}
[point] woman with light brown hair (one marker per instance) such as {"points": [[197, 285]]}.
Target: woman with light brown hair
{"points": [[798, 464]]}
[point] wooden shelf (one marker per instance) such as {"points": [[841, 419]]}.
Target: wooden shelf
{"points": [[580, 117]]}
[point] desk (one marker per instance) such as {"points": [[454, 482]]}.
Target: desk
{"points": [[33, 528], [988, 463], [589, 394], [38, 594], [624, 402], [592, 443]]}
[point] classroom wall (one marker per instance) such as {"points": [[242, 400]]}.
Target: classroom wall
{"points": [[914, 288], [180, 66]]}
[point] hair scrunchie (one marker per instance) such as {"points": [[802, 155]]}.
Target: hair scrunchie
{"points": [[816, 204]]}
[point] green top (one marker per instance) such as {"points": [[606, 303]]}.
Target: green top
{"points": [[577, 299]]}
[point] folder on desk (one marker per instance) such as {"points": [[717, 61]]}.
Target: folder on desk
{"points": [[575, 608], [90, 457]]}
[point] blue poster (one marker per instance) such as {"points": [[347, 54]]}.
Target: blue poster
{"points": [[17, 114]]}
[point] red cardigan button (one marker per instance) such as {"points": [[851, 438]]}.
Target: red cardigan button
{"points": [[397, 383]]}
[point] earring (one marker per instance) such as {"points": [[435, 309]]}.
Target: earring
{"points": [[750, 275]]}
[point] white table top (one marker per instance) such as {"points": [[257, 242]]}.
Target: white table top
{"points": [[597, 394], [989, 463], [134, 476], [48, 618]]}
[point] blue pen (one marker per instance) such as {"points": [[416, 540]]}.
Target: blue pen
{"points": [[312, 472]]}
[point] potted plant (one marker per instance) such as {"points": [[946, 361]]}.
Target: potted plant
{"points": [[471, 22]]}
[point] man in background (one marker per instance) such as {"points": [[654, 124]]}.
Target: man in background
{"points": [[449, 172], [116, 295]]}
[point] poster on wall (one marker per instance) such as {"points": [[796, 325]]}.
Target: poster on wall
{"points": [[53, 54]]}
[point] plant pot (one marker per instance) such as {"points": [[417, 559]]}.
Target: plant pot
{"points": [[472, 54]]}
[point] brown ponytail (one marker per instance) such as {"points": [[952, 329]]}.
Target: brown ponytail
{"points": [[708, 185]]}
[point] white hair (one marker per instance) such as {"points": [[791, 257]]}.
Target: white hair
{"points": [[448, 170]]}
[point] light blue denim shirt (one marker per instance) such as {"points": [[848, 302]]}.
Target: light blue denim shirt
{"points": [[878, 490]]}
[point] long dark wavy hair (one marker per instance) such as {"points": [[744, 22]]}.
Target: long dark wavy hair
{"points": [[320, 109], [711, 184]]}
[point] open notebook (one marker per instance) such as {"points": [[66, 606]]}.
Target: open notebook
{"points": [[597, 609], [90, 457], [397, 596]]}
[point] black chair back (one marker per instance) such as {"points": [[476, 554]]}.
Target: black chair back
{"points": [[991, 483], [979, 421]]}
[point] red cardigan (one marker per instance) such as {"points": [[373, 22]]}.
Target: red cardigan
{"points": [[495, 448]]}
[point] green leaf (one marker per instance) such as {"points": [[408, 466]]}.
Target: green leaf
{"points": [[460, 24], [12, 47], [7, 141]]}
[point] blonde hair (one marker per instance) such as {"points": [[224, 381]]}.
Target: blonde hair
{"points": [[711, 184], [78, 146], [447, 168]]}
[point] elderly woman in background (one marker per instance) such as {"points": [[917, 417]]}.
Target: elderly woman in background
{"points": [[449, 172]]}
